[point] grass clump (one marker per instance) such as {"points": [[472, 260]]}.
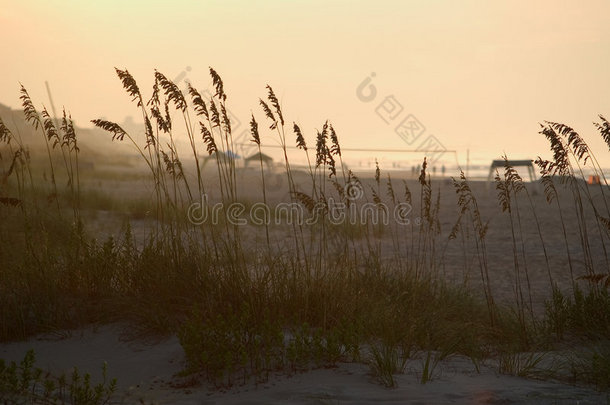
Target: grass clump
{"points": [[24, 383], [387, 360], [592, 365], [232, 347], [583, 315]]}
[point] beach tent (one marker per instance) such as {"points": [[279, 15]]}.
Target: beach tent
{"points": [[257, 157], [514, 163]]}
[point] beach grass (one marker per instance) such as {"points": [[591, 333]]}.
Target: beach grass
{"points": [[312, 293]]}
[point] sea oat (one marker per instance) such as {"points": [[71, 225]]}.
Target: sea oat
{"points": [[217, 81], [5, 133], [208, 139], [172, 92], [118, 132], [269, 114], [300, 139], [129, 84], [31, 115], [198, 104], [254, 130], [276, 104], [604, 129]]}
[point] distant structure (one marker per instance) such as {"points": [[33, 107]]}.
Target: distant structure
{"points": [[257, 157], [223, 156], [593, 179], [514, 163]]}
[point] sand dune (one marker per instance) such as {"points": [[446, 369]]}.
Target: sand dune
{"points": [[146, 371]]}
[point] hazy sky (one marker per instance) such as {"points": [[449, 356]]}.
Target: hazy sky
{"points": [[476, 74]]}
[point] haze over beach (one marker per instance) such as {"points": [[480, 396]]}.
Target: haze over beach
{"points": [[291, 202], [477, 75]]}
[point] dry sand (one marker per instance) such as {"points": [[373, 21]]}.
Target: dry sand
{"points": [[146, 371]]}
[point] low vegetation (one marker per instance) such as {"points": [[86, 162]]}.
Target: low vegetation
{"points": [[24, 383]]}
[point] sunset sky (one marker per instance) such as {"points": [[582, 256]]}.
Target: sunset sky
{"points": [[479, 75]]}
